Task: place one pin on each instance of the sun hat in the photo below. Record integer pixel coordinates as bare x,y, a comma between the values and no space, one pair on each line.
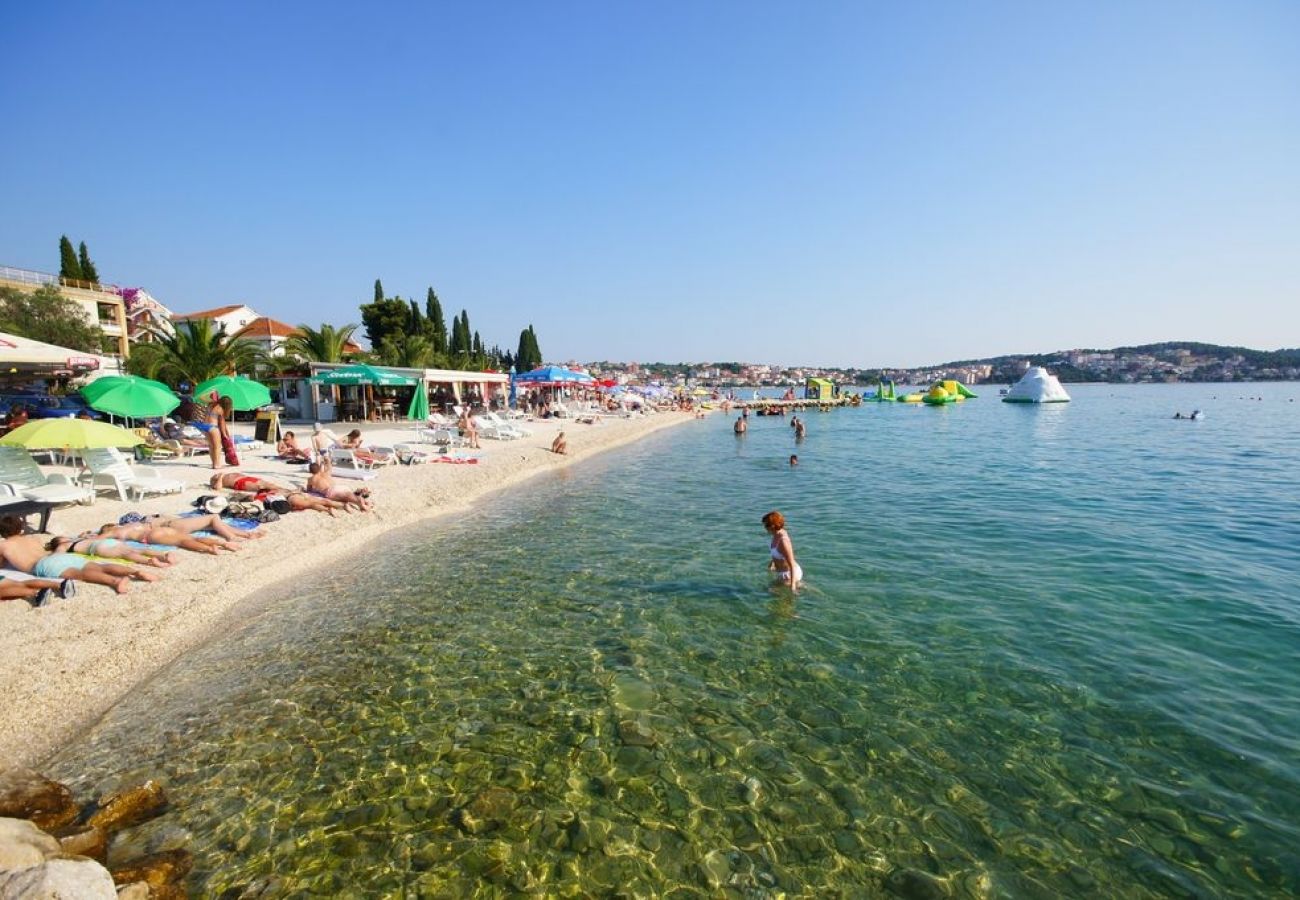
215,504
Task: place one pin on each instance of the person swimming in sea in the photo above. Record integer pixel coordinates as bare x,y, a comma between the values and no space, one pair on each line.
783,563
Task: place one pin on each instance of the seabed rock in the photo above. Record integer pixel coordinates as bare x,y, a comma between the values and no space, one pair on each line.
25,794
68,863
129,807
22,844
83,879
913,884
158,870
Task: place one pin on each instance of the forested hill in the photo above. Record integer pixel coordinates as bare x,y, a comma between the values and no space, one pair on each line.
1180,360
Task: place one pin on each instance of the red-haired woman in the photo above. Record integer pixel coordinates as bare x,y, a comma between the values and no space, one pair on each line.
783,561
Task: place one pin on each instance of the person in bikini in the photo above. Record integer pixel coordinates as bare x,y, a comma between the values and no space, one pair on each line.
27,553
91,544
320,482
212,418
151,532
782,551
354,443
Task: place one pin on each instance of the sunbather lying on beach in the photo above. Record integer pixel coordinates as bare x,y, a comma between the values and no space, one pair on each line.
320,482
372,455
149,533
91,544
248,484
300,501
27,553
191,524
36,591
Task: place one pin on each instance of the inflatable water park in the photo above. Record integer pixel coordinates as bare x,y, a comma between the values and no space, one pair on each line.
941,393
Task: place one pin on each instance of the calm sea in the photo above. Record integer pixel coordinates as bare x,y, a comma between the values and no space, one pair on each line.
1041,652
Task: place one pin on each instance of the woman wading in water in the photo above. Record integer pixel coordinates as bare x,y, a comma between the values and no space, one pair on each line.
782,549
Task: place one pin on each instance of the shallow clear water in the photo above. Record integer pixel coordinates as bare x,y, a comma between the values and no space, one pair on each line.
1042,652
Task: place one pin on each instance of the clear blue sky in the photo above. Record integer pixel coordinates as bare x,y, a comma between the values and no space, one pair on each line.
798,183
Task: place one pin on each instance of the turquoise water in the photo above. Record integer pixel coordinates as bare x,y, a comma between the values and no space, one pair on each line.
1042,652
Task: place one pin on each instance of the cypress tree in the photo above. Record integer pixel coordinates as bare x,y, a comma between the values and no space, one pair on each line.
417,324
532,342
379,291
69,267
88,271
438,324
478,346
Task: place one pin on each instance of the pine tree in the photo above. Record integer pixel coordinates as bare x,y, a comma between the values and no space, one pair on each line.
88,272
69,267
438,324
379,291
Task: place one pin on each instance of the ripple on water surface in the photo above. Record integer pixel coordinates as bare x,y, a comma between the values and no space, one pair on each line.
1041,653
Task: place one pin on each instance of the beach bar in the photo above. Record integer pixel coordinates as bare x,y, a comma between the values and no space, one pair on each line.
305,399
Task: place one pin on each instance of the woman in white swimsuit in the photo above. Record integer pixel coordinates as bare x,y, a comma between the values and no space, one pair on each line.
782,549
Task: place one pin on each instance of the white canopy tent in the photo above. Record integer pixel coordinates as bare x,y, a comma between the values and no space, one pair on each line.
24,356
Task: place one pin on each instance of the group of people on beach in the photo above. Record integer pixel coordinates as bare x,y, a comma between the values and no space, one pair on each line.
113,555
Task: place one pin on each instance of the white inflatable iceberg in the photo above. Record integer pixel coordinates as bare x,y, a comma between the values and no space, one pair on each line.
1037,387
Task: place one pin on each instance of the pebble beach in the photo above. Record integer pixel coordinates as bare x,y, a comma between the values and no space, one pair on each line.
62,666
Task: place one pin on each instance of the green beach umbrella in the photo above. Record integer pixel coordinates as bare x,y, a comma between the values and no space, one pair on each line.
130,395
362,374
419,409
75,434
244,393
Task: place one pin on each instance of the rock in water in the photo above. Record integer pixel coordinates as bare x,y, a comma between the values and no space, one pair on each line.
635,733
25,794
23,844
487,811
129,807
158,870
83,879
913,884
84,840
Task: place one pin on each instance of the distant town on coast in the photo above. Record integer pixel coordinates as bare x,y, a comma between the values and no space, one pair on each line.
1171,361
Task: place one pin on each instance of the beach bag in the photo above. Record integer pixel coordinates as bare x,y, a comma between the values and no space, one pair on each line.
268,515
228,448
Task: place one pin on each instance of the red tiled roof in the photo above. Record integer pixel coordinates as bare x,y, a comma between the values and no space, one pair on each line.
209,313
266,328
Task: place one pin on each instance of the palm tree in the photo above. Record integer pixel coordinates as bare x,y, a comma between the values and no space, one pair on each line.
195,353
325,344
413,351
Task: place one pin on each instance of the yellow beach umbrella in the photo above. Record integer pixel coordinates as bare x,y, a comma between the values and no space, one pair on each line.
73,434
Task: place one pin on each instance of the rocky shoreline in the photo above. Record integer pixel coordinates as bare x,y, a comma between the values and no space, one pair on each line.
52,845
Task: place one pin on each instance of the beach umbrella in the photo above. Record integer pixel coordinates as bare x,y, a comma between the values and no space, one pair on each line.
362,374
554,375
130,395
74,434
419,409
244,393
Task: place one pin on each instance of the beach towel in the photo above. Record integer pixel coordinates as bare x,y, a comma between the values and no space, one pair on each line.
15,575
460,461
241,524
